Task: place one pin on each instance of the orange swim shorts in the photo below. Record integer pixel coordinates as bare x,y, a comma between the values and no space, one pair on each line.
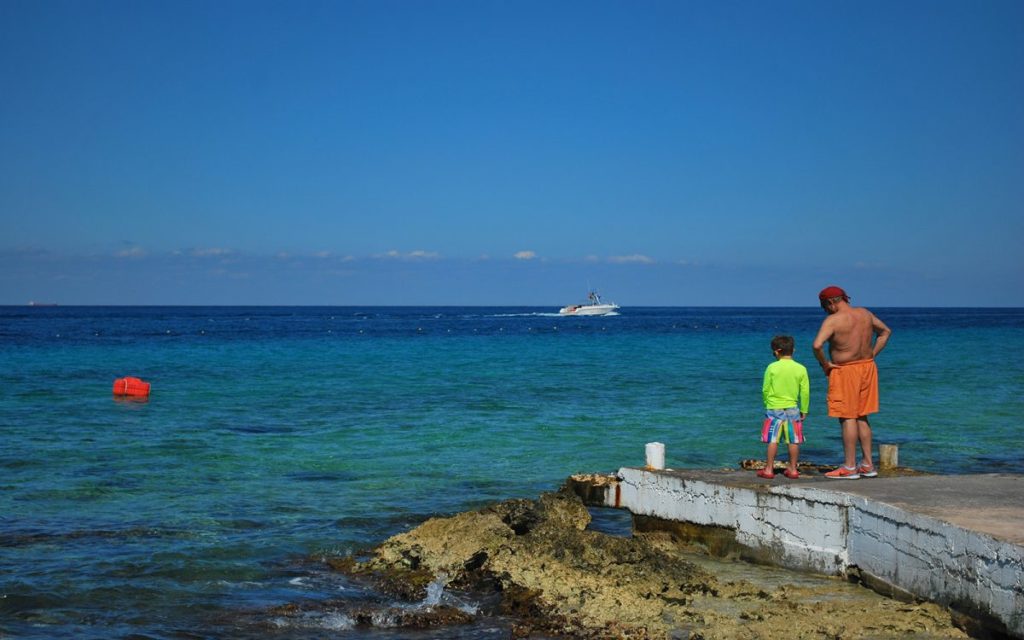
853,389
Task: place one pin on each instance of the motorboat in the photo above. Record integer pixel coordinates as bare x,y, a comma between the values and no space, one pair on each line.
596,307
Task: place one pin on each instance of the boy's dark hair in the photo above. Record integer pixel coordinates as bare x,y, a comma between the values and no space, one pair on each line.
784,345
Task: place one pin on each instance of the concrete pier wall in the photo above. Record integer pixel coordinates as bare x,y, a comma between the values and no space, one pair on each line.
816,527
938,561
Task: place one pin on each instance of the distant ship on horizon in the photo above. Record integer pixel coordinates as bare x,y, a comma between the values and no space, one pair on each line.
33,303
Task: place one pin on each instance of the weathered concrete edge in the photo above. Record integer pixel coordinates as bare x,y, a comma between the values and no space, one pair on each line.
967,570
832,532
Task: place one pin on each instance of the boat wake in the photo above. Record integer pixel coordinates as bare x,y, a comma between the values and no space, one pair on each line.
534,314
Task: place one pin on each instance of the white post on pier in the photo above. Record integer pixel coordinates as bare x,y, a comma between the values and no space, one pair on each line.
655,455
888,456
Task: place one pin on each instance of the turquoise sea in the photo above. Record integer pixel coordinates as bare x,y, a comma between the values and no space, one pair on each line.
277,435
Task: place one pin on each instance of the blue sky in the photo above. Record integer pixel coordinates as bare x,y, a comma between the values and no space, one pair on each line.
483,152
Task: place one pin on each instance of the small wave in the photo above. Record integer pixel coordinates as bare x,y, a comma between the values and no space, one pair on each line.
258,429
436,595
337,622
244,584
21,539
435,590
321,476
331,621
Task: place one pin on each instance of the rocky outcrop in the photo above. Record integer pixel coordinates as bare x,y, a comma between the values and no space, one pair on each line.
558,578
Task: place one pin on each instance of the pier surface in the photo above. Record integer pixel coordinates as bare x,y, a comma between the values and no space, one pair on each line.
990,503
955,540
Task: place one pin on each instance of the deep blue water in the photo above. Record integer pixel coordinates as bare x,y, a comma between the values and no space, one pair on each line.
277,435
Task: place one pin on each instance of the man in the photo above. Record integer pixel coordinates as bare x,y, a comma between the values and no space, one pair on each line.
852,375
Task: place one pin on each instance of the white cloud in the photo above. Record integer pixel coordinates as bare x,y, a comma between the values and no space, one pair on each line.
424,255
132,252
209,252
636,258
419,254
525,255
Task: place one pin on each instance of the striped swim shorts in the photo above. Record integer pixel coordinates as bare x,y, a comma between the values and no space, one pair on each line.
782,425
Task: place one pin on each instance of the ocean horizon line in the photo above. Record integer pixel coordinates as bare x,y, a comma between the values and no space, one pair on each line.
51,305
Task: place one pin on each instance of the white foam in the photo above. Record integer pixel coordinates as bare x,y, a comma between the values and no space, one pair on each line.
333,621
535,314
383,619
337,622
435,590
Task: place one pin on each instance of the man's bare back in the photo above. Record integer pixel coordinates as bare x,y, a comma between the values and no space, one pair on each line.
848,331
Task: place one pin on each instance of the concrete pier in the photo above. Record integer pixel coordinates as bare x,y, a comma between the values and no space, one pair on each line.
954,540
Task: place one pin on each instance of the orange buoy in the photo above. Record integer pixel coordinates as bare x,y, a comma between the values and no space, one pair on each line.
129,386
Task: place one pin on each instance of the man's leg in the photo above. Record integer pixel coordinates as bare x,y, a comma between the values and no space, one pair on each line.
851,434
864,436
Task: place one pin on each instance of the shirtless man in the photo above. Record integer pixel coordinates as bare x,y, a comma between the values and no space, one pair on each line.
852,375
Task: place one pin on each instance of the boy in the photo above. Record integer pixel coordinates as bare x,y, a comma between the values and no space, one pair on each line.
786,392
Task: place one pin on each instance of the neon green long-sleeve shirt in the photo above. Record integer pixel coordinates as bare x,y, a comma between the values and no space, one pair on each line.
786,385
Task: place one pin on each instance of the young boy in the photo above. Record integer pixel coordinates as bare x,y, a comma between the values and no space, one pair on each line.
786,391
